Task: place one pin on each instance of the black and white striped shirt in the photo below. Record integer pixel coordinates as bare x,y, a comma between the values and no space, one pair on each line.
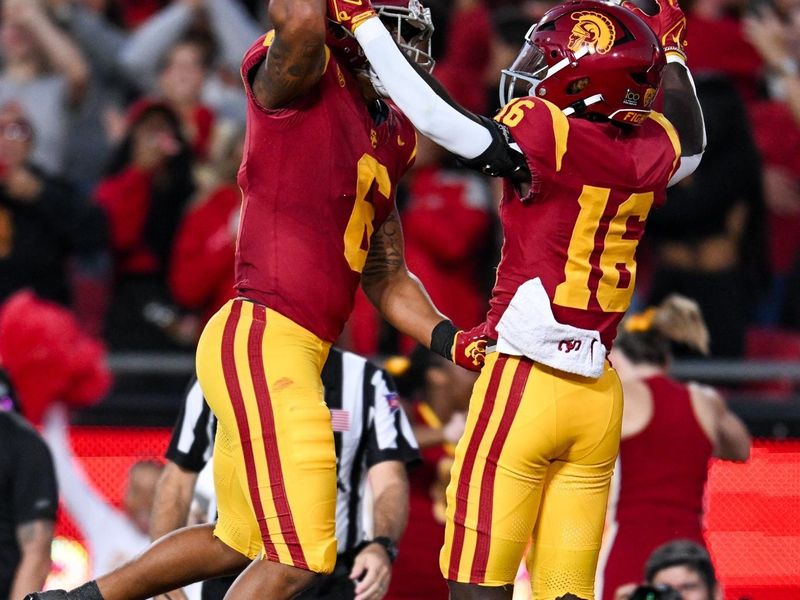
369,426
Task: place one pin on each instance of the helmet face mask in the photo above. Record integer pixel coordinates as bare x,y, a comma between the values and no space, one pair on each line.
412,27
589,58
528,70
408,21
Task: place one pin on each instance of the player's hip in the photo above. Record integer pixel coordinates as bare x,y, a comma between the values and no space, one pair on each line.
545,413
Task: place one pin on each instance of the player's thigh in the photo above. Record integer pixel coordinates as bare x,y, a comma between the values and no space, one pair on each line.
261,376
236,525
569,530
498,473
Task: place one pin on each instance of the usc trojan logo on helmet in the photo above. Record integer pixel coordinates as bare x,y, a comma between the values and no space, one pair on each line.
592,29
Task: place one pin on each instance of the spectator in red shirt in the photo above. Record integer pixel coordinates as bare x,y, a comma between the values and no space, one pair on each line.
148,185
715,36
201,272
467,54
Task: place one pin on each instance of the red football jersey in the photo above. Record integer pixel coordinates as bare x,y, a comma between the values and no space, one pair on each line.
318,177
593,185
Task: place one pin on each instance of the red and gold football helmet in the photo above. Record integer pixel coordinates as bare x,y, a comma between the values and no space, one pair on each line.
408,20
589,57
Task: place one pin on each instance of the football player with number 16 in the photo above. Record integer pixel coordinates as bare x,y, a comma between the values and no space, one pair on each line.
585,158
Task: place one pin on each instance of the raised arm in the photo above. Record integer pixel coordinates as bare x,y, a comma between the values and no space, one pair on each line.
479,141
681,106
61,52
296,58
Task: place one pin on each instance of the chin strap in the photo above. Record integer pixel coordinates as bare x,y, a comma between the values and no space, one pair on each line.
581,105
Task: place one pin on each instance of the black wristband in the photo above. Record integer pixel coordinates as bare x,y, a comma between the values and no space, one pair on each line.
388,545
88,591
442,338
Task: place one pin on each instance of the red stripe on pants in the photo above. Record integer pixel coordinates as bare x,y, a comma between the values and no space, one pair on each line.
462,489
484,529
254,355
237,401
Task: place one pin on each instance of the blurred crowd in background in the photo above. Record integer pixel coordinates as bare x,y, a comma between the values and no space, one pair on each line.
121,128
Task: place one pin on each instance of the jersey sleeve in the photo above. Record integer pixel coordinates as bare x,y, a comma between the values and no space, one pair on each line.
666,154
390,436
35,494
541,131
192,437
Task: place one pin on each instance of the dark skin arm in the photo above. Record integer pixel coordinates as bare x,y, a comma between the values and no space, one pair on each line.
296,58
396,292
682,109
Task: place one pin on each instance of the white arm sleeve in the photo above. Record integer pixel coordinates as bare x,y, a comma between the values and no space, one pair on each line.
429,113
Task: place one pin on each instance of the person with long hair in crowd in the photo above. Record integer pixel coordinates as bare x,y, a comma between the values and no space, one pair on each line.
670,430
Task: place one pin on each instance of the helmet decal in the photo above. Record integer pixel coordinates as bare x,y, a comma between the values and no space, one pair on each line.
593,30
649,96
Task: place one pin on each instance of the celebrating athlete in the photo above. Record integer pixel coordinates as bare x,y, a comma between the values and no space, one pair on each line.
322,158
584,158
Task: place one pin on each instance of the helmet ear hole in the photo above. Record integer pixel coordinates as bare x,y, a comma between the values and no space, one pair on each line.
577,86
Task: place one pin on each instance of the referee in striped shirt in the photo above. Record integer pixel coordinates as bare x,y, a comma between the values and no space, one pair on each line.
374,445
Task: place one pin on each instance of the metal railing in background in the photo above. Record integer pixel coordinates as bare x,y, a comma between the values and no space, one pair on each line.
717,371
766,394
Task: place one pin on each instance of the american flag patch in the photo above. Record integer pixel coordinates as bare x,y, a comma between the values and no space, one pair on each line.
340,419
393,400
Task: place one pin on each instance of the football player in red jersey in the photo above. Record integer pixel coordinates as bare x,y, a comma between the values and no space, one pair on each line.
584,158
322,158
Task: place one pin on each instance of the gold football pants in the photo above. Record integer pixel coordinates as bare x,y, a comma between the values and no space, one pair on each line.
535,461
274,456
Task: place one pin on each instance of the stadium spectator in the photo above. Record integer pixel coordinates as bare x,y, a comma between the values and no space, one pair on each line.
43,71
387,448
681,566
776,122
669,433
51,239
113,536
718,46
709,236
28,501
226,25
96,28
439,392
467,53
791,307
144,195
201,271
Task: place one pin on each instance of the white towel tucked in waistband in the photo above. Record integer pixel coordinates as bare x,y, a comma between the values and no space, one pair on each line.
528,328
